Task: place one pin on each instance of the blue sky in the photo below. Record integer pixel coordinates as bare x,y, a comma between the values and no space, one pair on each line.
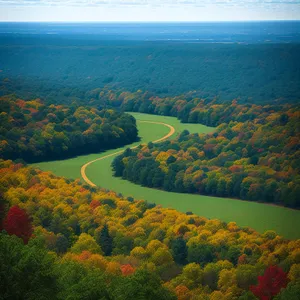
148,10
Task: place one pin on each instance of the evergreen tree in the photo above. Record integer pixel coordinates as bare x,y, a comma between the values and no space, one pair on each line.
179,250
105,240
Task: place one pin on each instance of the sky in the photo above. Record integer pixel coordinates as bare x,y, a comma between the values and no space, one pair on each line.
147,10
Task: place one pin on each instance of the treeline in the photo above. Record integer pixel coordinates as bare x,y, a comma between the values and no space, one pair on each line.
190,109
33,131
66,68
253,155
74,242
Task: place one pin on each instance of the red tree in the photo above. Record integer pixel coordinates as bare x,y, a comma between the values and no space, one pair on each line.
127,270
17,222
270,284
94,204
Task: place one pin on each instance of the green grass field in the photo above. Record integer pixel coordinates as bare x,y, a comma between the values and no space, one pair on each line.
261,217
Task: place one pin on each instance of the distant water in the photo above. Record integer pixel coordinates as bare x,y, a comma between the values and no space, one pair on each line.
206,32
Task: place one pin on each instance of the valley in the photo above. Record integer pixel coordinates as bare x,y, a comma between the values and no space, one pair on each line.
259,216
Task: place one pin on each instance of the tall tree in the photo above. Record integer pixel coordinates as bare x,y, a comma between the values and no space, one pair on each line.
179,250
105,240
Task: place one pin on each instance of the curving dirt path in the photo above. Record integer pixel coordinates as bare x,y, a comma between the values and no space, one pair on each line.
83,168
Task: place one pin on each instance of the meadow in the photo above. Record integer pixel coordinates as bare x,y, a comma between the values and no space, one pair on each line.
259,216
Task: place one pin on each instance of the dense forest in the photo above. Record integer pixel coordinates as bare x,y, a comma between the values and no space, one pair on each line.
33,131
70,241
253,154
61,69
186,106
65,90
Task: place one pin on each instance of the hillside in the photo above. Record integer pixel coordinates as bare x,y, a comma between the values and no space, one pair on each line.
82,242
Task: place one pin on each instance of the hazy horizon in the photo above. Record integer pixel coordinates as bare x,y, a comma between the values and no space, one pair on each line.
156,22
148,11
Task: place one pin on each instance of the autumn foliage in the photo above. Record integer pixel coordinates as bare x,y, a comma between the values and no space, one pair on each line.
34,131
127,270
122,238
18,223
253,155
270,284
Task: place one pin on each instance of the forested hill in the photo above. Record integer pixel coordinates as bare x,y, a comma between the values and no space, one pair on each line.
33,131
253,154
62,240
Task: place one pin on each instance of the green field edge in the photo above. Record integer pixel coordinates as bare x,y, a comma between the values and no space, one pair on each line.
259,216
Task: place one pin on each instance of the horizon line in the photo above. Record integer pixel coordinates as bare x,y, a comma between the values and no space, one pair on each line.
146,22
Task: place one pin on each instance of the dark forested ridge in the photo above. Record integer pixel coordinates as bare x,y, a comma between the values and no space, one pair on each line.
33,131
59,69
70,241
253,154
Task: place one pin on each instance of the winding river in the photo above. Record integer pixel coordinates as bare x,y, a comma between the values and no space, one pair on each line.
95,169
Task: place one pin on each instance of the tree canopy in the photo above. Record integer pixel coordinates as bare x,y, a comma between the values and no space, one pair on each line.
33,131
82,246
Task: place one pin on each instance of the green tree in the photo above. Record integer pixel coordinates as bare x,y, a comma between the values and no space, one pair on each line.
62,243
179,250
76,282
26,272
201,253
233,254
141,285
210,275
105,241
291,292
246,275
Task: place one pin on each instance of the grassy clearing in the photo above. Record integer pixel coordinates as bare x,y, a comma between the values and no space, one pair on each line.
259,216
